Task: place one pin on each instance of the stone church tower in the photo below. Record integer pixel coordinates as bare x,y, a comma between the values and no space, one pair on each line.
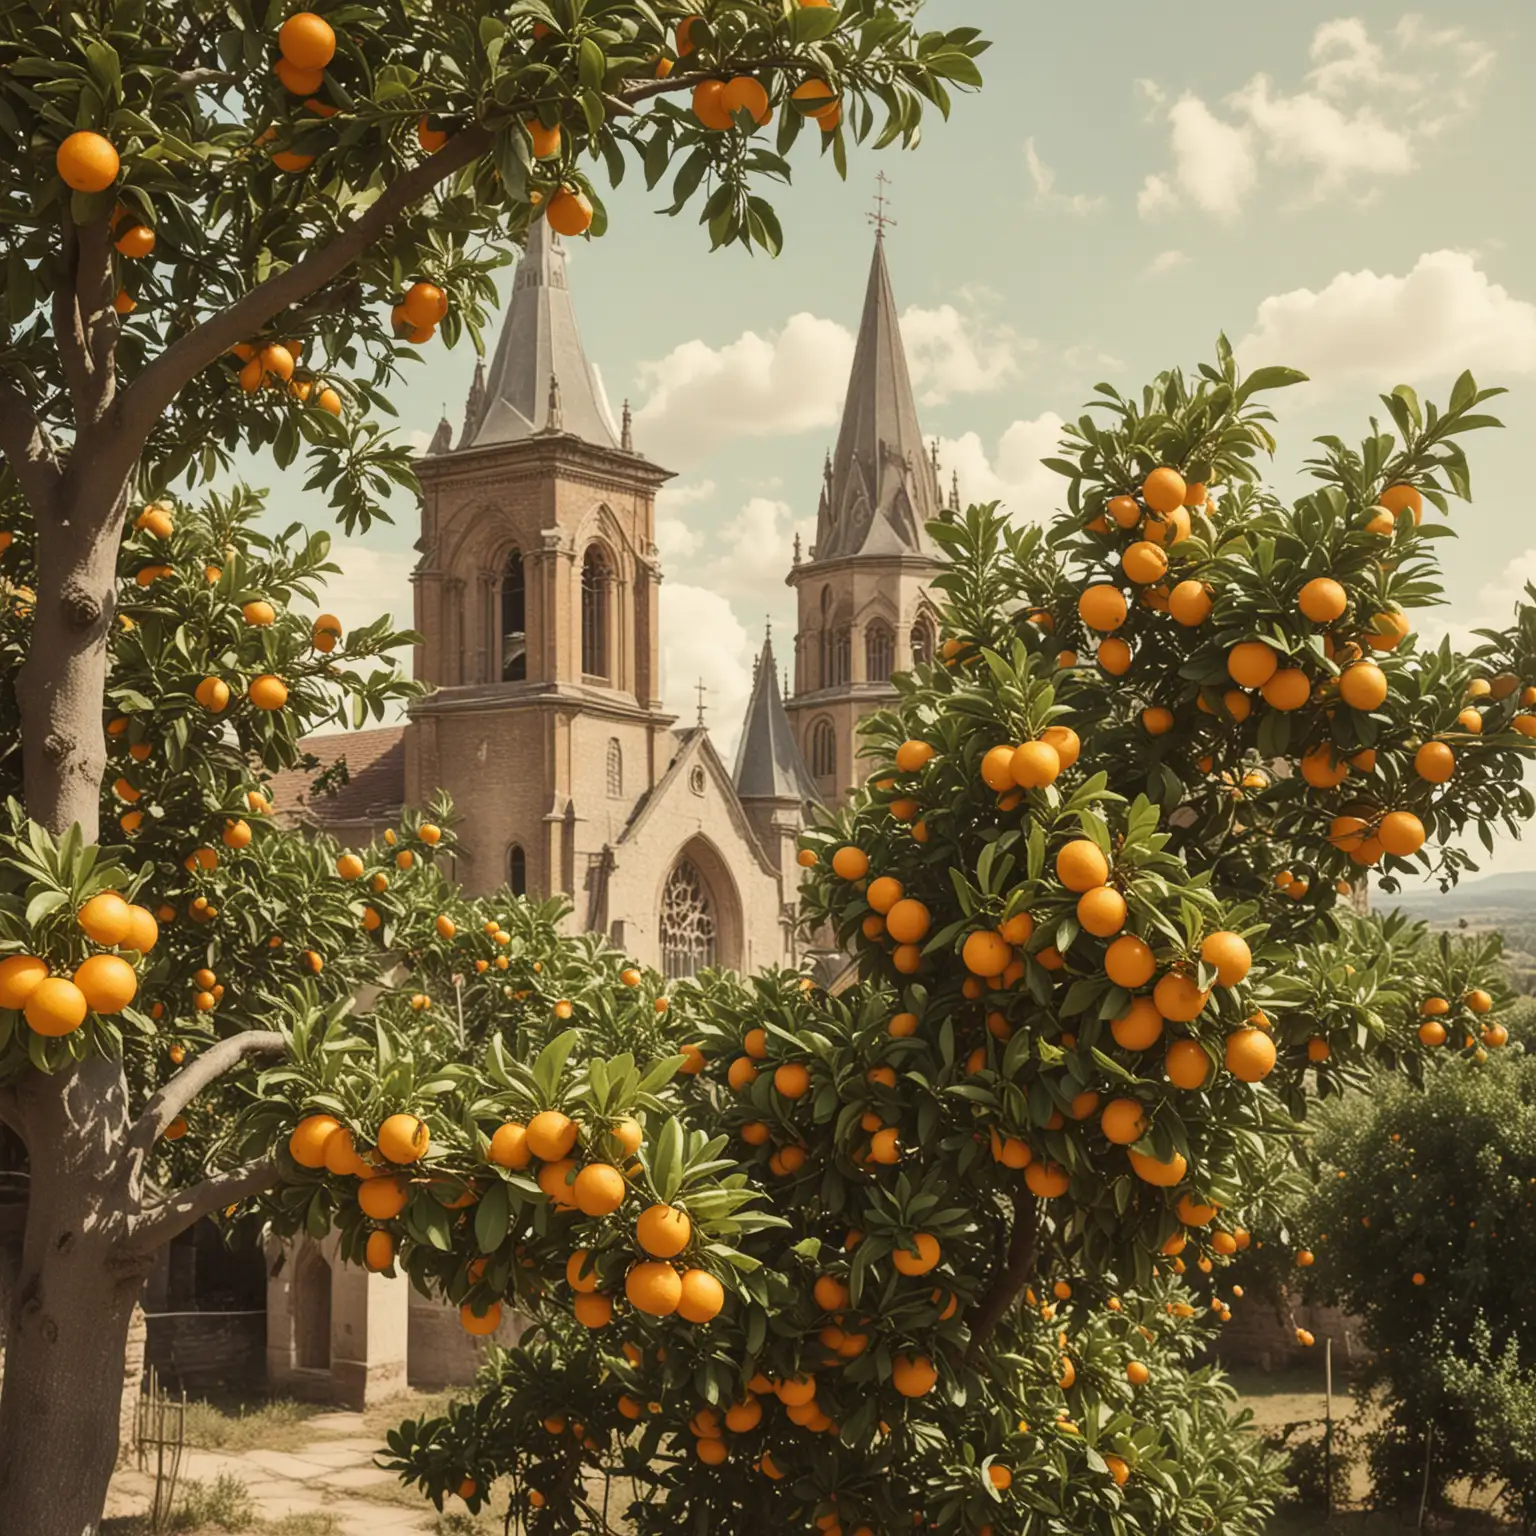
864,607
537,602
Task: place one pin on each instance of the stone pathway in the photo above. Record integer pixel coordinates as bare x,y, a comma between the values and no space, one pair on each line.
328,1476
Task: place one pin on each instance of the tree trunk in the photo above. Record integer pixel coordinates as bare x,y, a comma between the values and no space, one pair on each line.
70,1311
62,682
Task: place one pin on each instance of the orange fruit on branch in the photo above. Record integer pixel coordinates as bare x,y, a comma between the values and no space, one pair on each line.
87,162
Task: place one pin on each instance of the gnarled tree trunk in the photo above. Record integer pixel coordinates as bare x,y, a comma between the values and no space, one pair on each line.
71,1305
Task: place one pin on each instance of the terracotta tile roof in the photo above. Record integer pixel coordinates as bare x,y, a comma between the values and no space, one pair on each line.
375,777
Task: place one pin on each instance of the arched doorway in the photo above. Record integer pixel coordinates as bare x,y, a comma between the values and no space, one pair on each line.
312,1311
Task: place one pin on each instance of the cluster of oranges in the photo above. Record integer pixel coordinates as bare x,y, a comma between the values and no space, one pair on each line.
54,1003
417,314
1440,1017
272,364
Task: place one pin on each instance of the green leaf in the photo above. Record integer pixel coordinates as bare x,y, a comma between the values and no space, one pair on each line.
492,1218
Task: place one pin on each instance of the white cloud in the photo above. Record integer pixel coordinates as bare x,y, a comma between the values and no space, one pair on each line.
953,354
1444,315
1013,474
371,583
1166,261
1214,166
702,640
675,540
754,551
780,383
672,496
1359,116
1046,196
699,396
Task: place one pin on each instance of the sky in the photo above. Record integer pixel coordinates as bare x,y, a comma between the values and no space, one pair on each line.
1344,189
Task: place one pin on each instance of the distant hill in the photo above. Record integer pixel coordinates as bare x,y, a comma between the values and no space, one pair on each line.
1486,902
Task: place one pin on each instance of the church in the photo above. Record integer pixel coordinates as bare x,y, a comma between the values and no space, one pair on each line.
536,599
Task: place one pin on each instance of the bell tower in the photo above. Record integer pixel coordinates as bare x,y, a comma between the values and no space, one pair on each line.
536,601
863,592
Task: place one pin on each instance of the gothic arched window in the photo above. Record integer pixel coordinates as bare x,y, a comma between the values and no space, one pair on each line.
517,870
688,929
824,641
842,656
922,642
594,612
823,750
615,769
514,620
879,652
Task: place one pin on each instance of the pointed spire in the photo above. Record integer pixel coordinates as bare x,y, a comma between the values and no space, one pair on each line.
797,549
701,690
442,439
954,490
883,488
539,365
627,435
768,763
474,406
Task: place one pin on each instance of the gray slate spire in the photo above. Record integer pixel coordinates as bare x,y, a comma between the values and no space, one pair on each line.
768,763
539,359
883,488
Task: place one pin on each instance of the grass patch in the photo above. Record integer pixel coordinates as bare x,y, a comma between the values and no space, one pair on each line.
273,1424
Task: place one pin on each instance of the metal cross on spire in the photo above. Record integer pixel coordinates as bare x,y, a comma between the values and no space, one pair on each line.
880,218
701,690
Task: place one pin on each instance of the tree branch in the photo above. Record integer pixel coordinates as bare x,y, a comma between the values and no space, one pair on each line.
68,326
1017,1268
158,1225
27,448
169,1102
154,389
93,297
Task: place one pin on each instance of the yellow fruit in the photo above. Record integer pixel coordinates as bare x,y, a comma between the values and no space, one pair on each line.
1080,866
850,863
1230,955
105,919
1154,1171
1129,963
480,1324
1252,664
1187,1064
599,1189
1124,1121
919,1258
1140,1027
701,1298
1250,1055
913,1375
663,1231
653,1288
19,974
1322,600
1363,685
383,1198
107,983
1178,998
55,1007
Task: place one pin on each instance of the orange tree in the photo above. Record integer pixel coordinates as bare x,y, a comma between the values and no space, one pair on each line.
1099,885
224,227
1418,1216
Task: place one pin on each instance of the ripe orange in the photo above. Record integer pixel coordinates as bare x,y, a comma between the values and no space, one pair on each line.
1250,1055
1102,911
1064,740
1318,1049
702,1296
908,921
1034,765
997,768
913,755
1388,630
744,94
107,983
1321,771
237,833
1046,1181
1363,685
87,162
1322,600
551,1135
792,1080
55,1007
913,1375
1137,1374
105,919
883,893
480,1324
1397,497
1102,607
1124,1121
1164,490
569,213
379,1251
1187,1064
19,974
1144,563
1435,762
923,1254
1432,1032
709,105
1156,720
1190,603
307,40
383,1198
1193,1213
1129,962
663,1231
1478,1000
850,863
1080,865
1288,689
986,953
404,1139
599,1189
1114,655
1252,663
1154,1171
1229,953
268,692
742,1073
653,1288
1140,1027
1401,833
136,242
308,1140
1118,1470
1178,998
